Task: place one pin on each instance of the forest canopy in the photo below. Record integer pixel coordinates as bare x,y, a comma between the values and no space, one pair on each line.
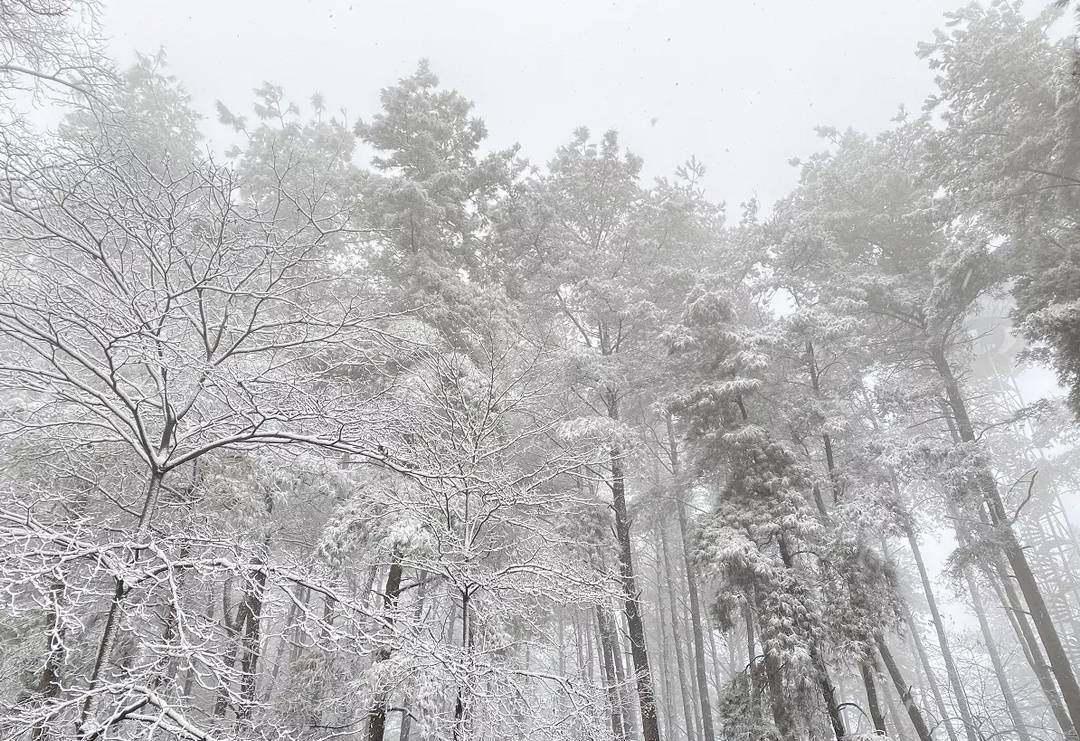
361,428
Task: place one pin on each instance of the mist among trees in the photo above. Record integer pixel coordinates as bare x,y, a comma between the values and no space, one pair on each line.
360,428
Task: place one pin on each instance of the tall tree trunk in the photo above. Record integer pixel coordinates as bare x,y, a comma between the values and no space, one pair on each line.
751,653
1014,552
233,625
782,713
461,705
834,479
963,536
666,683
677,654
377,713
631,712
872,701
643,676
943,638
718,674
251,640
48,684
1032,652
928,669
691,589
590,659
825,683
608,652
995,658
112,618
904,690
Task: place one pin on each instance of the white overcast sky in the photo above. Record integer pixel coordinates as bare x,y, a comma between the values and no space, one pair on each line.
741,85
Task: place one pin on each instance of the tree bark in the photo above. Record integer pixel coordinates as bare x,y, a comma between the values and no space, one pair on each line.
112,624
391,592
608,652
677,654
943,639
1033,653
691,590
48,684
666,684
782,712
928,669
904,690
1014,552
872,701
751,653
825,683
643,676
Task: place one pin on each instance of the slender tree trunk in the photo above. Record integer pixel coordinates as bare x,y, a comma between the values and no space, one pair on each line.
691,590
233,625
635,625
665,666
1033,653
112,618
591,661
611,679
995,658
943,639
684,685
924,658
252,639
964,538
782,712
461,719
623,661
876,714
579,643
377,713
1014,552
928,669
718,675
825,683
751,653
904,690
48,684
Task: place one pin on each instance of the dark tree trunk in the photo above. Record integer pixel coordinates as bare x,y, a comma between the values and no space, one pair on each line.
943,639
1033,652
825,683
904,690
751,653
872,701
782,712
1014,552
112,618
635,625
677,654
377,714
461,708
252,640
48,684
608,653
691,590
931,678
666,683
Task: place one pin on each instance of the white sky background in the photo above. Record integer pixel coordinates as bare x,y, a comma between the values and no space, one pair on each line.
739,84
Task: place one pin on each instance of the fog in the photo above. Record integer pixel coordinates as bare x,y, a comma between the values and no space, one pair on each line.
559,371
